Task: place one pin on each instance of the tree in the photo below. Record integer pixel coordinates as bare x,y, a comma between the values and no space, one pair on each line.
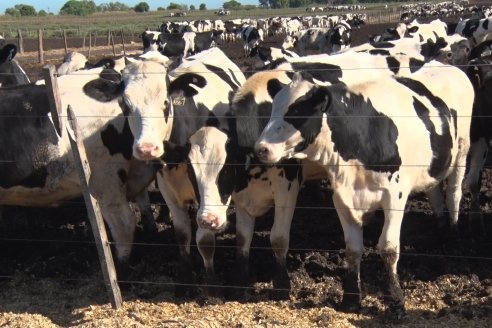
232,4
78,8
42,13
12,12
21,10
142,7
113,6
192,7
174,6
203,6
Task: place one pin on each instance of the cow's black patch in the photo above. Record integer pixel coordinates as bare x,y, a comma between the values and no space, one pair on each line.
400,195
320,71
383,45
470,27
264,53
485,24
454,115
122,175
250,119
274,86
393,64
118,142
226,180
26,136
415,64
182,84
441,144
224,76
358,130
379,52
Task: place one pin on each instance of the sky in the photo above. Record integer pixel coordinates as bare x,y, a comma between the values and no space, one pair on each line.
55,5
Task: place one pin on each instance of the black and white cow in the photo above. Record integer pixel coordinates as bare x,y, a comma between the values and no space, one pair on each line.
251,37
178,44
37,163
331,125
312,39
476,30
254,187
269,54
11,73
479,70
200,92
339,37
224,165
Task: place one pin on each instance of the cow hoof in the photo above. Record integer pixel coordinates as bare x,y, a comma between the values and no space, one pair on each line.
350,304
279,295
396,311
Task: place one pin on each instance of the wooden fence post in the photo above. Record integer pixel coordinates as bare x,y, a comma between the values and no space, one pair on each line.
51,81
65,41
94,212
20,41
123,43
40,46
112,43
90,45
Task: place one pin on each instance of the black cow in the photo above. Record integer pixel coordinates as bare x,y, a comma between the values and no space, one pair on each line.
10,71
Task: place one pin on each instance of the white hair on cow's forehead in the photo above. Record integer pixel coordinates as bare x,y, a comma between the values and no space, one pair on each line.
156,56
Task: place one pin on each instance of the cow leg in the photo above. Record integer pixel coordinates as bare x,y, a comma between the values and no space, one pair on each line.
245,225
146,215
436,201
285,200
182,231
478,154
389,248
205,240
352,230
121,222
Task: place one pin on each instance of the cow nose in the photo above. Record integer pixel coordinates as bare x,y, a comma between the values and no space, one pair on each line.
262,151
147,150
209,221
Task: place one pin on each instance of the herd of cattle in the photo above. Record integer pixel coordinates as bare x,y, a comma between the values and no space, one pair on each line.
212,137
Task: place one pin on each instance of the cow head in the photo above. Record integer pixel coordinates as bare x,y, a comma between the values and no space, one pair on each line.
151,40
142,89
212,171
10,71
296,120
290,42
73,61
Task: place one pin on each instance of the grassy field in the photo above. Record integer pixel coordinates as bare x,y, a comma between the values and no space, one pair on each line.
132,23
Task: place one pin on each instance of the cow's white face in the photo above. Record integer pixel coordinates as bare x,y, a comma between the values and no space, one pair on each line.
149,111
214,182
294,124
289,42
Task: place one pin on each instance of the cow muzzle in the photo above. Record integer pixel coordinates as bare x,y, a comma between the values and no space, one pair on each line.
210,221
148,151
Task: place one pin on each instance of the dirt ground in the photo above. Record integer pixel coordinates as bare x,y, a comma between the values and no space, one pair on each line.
50,274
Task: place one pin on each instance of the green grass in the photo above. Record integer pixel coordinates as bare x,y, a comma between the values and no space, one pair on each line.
132,23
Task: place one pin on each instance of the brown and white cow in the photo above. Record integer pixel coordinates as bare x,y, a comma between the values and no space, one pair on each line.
367,145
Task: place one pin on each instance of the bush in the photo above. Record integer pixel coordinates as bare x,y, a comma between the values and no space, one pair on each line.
142,7
78,8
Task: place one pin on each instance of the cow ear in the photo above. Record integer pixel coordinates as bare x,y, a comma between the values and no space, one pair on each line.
187,84
8,52
413,29
103,90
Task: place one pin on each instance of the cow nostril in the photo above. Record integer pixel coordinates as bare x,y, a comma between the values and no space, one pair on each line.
262,151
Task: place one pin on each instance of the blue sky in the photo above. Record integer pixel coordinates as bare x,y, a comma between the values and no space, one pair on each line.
55,5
